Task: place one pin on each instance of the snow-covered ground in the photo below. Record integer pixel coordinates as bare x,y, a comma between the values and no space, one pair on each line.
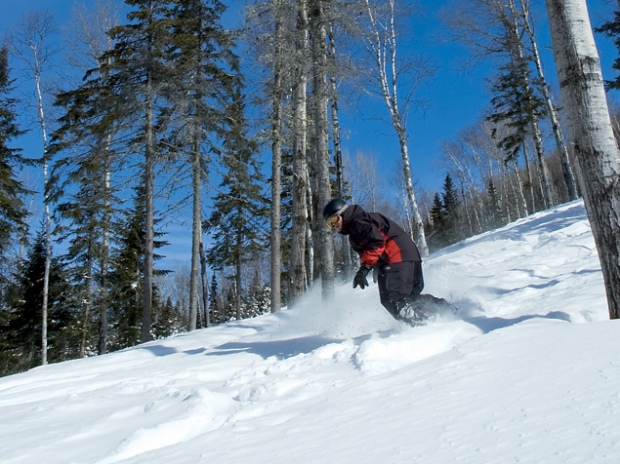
528,371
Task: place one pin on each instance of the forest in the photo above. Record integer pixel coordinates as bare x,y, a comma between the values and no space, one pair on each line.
165,112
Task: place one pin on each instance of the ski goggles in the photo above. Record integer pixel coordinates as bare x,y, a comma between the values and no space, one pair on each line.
332,221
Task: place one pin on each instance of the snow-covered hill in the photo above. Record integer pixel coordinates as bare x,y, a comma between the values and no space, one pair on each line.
527,372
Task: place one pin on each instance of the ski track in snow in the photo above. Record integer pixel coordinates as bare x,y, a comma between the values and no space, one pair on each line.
246,375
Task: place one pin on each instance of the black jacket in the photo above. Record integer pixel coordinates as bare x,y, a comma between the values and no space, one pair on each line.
377,239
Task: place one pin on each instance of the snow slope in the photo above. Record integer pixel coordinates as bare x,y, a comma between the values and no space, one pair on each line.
528,371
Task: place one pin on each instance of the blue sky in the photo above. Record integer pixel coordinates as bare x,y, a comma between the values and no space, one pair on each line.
456,98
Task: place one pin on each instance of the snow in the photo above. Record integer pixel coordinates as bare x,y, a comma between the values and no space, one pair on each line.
527,371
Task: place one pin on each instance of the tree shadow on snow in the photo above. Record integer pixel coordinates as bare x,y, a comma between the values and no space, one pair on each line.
284,349
489,324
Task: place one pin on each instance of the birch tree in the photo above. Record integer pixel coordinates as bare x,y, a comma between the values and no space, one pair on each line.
276,159
496,30
32,43
333,99
567,171
300,157
320,155
591,135
382,44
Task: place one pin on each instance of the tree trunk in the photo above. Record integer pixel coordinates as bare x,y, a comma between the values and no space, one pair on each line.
519,190
309,232
569,178
196,232
384,53
300,161
321,153
346,257
149,155
48,246
591,134
205,284
238,278
517,54
276,169
105,252
543,172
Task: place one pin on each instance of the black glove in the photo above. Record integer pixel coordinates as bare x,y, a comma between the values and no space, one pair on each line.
360,277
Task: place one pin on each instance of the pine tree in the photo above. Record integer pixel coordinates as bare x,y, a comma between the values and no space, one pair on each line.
493,206
126,276
214,303
515,105
612,29
87,158
126,281
12,209
167,318
239,209
450,206
137,72
204,70
436,232
22,344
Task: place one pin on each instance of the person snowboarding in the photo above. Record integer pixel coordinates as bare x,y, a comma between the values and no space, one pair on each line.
384,246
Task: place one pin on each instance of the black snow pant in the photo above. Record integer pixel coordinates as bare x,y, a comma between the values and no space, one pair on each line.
399,284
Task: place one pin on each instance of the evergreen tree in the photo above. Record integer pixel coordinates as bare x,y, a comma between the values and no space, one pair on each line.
137,72
204,70
214,301
612,29
126,281
515,104
493,206
438,221
167,318
126,276
12,209
450,205
87,158
21,343
239,209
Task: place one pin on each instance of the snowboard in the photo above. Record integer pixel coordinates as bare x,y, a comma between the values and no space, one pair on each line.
425,308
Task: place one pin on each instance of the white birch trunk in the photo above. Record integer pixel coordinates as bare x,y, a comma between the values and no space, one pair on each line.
537,133
39,28
309,232
591,135
276,167
320,151
384,54
346,257
569,177
298,282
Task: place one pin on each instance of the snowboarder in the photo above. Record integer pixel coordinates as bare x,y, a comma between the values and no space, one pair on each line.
385,246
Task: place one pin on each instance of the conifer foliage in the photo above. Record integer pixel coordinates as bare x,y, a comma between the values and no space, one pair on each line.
237,223
445,228
12,209
20,339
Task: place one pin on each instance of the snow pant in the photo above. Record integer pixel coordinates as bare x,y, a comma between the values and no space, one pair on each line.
399,284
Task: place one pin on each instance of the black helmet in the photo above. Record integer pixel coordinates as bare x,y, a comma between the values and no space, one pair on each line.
335,206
